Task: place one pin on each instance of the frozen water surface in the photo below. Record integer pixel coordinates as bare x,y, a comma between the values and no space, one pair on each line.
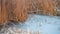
43,24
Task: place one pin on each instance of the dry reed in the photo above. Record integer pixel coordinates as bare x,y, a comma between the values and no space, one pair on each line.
17,10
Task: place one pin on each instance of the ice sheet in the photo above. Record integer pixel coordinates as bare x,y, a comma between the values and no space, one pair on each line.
40,23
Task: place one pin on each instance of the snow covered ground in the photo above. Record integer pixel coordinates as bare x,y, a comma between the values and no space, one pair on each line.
41,24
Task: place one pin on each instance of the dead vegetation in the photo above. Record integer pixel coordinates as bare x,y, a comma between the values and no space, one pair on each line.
17,10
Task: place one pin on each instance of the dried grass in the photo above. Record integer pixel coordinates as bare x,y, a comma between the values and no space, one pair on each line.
17,10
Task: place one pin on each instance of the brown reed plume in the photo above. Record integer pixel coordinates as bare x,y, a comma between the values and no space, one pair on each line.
47,6
16,10
12,10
